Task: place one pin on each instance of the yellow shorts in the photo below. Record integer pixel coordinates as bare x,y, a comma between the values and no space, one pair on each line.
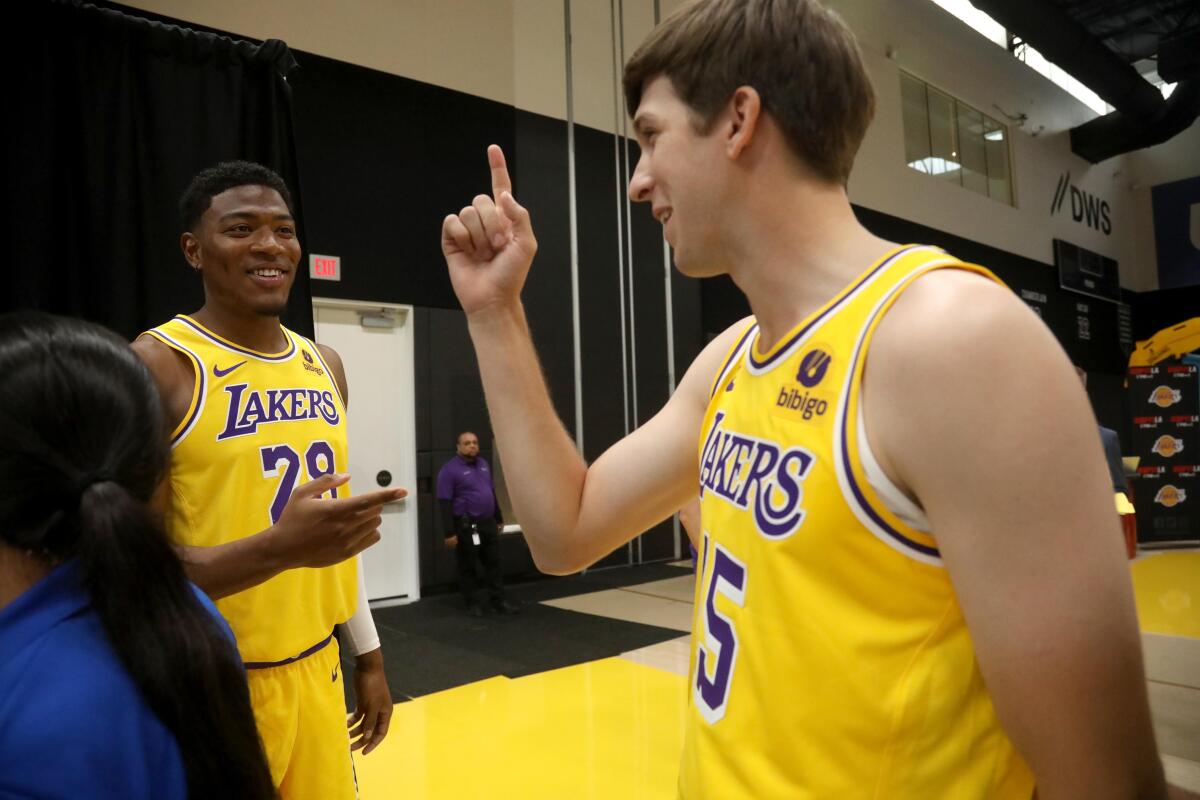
301,713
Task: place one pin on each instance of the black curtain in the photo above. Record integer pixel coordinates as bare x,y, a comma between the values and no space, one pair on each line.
112,116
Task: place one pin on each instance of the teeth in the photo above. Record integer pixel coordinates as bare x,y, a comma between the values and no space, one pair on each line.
268,273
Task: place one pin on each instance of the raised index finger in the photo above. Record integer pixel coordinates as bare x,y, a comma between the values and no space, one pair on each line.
378,497
500,181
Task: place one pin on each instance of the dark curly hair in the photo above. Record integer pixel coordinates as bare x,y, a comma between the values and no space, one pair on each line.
224,176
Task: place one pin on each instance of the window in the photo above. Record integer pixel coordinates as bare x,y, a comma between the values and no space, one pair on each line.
948,139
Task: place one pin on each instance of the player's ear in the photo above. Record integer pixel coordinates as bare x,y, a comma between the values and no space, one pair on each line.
744,112
189,243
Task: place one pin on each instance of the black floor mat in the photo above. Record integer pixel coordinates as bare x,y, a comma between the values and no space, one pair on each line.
432,644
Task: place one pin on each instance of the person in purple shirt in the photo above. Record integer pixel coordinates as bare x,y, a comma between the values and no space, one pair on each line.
471,522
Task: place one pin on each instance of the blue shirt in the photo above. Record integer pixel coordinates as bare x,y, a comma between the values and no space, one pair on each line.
469,486
73,723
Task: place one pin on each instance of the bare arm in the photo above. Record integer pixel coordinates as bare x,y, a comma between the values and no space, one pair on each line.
990,430
311,532
567,510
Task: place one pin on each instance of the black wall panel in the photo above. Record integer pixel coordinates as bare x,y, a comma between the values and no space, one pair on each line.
383,160
540,184
1153,311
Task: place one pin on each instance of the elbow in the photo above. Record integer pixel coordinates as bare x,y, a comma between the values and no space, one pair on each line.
556,564
555,558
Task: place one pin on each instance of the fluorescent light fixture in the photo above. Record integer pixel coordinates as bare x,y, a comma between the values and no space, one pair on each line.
977,19
933,165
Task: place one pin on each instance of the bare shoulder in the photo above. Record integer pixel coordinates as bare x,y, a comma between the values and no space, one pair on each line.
167,366
173,374
957,319
959,363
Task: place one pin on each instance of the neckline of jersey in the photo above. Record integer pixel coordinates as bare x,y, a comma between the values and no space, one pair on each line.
282,354
785,341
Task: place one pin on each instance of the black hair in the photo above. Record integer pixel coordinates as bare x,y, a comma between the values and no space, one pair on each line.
211,182
83,448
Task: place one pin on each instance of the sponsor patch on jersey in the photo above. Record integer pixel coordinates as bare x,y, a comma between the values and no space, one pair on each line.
756,475
813,367
1165,396
1167,446
1170,496
308,363
794,403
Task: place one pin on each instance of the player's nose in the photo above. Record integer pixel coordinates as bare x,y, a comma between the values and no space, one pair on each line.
640,184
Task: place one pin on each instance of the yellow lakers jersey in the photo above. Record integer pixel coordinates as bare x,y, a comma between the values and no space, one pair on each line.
829,658
259,425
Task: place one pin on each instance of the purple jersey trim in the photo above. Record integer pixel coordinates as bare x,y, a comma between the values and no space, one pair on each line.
268,664
784,351
733,356
844,446
291,351
186,427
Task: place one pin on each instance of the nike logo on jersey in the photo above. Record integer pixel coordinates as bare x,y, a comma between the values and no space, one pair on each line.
750,472
221,373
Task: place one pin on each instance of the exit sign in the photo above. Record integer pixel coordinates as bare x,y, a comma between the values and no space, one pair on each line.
324,268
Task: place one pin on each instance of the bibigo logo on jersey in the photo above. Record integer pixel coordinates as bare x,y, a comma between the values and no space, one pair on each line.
1165,396
1167,446
1170,496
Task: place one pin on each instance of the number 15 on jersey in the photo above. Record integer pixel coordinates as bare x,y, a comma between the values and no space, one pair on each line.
717,648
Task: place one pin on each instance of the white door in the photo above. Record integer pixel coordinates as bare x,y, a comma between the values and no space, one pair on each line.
375,341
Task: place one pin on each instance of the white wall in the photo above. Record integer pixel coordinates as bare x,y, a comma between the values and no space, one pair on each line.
465,45
934,46
513,51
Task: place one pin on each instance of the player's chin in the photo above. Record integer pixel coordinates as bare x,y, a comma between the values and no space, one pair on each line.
692,267
271,306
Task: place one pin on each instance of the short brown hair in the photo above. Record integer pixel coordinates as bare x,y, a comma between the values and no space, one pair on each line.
800,57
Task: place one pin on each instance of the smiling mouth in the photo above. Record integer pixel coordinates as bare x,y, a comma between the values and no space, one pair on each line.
268,272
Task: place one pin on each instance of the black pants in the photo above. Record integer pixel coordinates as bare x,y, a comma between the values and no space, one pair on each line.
470,556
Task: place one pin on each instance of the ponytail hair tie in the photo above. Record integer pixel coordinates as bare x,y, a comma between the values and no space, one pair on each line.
75,494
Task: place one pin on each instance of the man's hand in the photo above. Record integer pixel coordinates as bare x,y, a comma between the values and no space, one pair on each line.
489,244
369,723
451,542
316,532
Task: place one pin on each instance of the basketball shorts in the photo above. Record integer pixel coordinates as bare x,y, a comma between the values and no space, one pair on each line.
300,708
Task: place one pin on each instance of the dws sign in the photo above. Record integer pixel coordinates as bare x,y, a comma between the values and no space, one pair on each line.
1086,208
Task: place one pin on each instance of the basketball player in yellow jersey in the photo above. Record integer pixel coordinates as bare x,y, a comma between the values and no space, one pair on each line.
910,583
258,495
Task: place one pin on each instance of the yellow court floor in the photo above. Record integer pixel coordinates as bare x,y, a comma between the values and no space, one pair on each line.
595,731
1167,589
613,728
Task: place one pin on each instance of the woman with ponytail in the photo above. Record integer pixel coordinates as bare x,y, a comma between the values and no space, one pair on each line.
117,677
